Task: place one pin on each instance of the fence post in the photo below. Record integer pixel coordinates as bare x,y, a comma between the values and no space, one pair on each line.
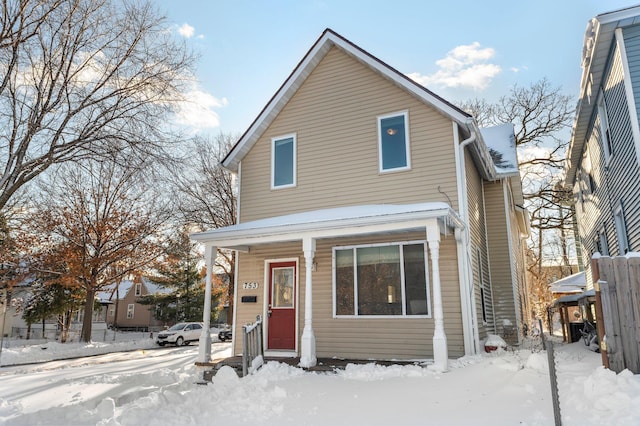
555,398
625,312
245,348
634,279
600,326
610,313
260,343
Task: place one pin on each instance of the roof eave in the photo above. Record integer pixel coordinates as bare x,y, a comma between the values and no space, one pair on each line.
597,42
325,229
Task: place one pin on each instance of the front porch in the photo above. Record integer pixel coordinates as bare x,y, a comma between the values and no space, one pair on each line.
301,242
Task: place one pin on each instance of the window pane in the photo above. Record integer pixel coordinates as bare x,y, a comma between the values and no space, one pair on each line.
283,287
393,142
344,282
283,162
415,280
379,291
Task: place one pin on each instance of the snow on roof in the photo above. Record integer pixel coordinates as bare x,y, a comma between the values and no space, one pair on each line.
501,142
108,293
331,219
575,283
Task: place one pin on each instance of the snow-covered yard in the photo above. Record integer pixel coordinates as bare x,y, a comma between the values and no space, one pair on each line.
158,387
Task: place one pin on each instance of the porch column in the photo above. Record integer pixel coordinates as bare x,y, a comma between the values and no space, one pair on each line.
308,351
440,352
204,349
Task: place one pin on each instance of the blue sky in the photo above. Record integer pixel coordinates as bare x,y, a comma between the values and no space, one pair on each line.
458,49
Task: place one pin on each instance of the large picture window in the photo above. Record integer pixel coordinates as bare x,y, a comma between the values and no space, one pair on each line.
393,140
381,280
283,161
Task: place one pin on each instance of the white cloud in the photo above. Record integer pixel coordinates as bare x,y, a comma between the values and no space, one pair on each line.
464,66
186,31
198,109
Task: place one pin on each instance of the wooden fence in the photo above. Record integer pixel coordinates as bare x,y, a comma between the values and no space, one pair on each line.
618,280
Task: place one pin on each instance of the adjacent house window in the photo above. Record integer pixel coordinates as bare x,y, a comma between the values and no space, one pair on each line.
138,289
112,312
602,244
621,229
381,280
283,161
393,141
130,308
604,128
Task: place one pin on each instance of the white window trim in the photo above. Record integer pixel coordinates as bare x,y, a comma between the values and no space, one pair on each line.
404,113
131,310
602,240
273,160
138,289
605,129
402,283
621,230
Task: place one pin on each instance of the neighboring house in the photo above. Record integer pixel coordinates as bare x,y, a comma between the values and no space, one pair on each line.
376,220
120,303
603,161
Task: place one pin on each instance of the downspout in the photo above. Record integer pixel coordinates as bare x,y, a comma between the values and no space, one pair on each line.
467,294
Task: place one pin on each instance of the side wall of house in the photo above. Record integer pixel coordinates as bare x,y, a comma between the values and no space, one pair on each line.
478,249
379,338
602,186
334,116
141,313
500,257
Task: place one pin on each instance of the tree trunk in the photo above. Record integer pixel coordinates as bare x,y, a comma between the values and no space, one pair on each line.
88,315
28,331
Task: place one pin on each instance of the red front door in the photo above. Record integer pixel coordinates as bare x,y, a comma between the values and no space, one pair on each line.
282,306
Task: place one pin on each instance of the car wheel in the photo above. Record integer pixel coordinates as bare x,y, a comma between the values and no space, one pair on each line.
161,343
179,341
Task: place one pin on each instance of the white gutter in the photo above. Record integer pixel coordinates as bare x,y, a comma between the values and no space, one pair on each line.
467,293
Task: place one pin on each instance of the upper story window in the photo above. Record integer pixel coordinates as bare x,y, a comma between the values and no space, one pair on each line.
393,141
621,229
138,291
283,161
604,128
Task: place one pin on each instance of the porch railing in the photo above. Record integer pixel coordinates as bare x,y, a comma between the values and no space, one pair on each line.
252,348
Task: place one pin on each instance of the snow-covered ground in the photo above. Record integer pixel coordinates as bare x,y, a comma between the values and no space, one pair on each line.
157,387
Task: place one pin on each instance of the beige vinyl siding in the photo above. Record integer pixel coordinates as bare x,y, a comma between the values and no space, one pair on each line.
334,116
363,338
499,255
475,201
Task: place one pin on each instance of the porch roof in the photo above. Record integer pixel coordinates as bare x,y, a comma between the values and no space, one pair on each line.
333,222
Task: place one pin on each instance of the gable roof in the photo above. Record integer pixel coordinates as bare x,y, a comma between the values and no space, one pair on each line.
327,40
598,38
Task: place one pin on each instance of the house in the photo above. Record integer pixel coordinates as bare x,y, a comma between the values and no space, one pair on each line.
603,160
121,308
376,220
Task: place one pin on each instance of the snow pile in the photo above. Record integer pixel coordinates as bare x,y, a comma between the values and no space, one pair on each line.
49,351
504,387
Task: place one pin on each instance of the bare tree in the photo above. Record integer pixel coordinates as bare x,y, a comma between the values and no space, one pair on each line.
541,115
82,79
206,195
99,223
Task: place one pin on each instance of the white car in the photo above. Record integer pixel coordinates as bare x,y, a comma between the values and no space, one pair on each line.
180,334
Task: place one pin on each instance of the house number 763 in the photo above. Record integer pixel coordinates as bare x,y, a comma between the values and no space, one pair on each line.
249,286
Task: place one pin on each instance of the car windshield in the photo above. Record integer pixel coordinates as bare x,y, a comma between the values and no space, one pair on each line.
178,326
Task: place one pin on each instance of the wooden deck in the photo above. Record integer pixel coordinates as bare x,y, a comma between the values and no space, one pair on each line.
325,365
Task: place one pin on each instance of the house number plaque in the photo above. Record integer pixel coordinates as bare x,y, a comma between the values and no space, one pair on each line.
250,286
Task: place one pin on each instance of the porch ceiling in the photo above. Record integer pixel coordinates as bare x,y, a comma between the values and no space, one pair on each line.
331,223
